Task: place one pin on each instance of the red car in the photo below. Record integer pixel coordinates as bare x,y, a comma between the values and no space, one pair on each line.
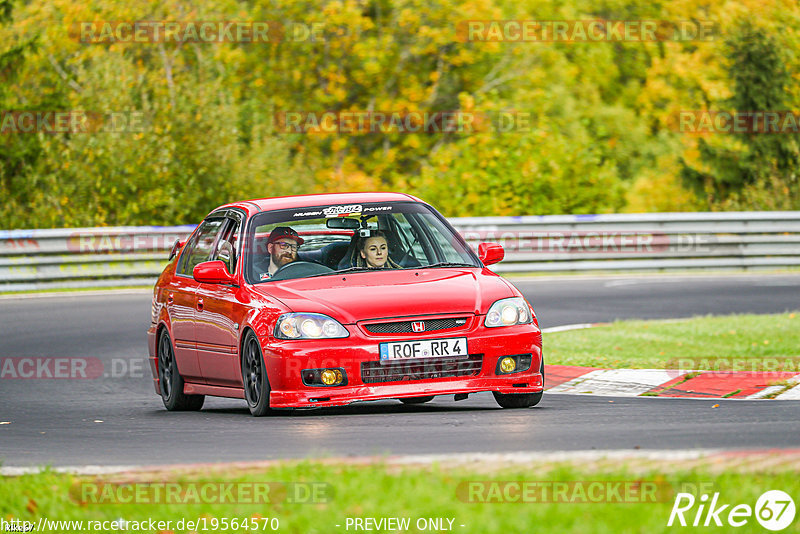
324,300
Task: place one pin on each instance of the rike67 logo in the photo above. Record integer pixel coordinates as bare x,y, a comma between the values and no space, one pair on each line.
774,510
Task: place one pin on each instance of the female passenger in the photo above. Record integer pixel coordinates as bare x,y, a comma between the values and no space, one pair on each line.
373,252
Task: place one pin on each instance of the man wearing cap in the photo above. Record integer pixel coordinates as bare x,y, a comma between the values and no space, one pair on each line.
282,246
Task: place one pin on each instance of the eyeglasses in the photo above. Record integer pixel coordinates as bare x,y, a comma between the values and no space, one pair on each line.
286,246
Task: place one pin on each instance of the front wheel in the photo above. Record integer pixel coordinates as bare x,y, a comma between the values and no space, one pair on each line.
520,400
254,376
171,382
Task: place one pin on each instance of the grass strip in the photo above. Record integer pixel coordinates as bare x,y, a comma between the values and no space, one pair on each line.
756,343
563,497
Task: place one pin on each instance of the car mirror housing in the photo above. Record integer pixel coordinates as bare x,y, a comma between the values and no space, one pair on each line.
342,223
212,272
490,253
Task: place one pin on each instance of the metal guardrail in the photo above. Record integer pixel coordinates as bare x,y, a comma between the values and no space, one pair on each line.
85,257
641,242
132,256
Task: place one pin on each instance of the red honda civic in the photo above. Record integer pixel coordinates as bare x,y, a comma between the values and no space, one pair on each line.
324,300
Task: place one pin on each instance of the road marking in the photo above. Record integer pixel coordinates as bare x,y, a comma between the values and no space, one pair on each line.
566,327
617,283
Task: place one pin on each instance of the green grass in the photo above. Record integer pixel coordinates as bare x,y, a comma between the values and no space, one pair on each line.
389,491
726,343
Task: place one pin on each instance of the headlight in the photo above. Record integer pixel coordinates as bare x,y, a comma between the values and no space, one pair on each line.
508,312
308,326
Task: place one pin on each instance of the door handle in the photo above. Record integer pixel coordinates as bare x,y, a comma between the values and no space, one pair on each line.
199,304
170,298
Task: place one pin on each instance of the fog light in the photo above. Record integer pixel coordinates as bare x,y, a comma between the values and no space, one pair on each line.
507,365
328,377
324,377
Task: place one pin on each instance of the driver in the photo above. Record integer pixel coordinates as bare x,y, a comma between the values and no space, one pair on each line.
282,245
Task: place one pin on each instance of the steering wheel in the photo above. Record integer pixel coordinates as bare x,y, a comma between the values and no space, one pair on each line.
299,269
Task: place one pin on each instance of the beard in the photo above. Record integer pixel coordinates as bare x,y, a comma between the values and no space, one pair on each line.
282,258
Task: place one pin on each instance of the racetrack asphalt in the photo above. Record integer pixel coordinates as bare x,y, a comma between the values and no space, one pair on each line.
119,420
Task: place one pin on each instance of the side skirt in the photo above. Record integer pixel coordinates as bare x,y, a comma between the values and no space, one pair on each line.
214,391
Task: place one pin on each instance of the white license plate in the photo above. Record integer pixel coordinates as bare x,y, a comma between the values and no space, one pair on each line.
423,348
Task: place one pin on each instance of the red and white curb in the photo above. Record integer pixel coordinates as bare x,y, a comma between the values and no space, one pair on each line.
671,383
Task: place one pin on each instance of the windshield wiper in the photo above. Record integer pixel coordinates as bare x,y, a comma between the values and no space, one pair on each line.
348,270
447,264
353,269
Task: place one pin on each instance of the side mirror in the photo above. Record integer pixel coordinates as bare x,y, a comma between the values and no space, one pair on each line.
212,272
490,253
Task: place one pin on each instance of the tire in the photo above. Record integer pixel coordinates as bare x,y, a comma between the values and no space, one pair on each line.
520,400
416,400
254,376
170,380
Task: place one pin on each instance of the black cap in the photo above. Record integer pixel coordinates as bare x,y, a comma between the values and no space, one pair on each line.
280,232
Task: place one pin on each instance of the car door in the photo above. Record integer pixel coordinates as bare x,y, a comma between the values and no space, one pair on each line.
182,297
217,314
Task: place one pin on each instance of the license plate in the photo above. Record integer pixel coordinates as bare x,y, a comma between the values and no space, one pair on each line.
423,348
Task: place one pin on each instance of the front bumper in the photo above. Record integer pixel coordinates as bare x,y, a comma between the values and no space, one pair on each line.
347,394
285,361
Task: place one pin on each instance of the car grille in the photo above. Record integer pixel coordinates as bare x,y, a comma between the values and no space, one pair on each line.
374,372
404,327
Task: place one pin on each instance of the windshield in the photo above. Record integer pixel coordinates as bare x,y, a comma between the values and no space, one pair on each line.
370,237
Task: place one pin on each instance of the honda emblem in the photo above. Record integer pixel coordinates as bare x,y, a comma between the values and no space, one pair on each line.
418,326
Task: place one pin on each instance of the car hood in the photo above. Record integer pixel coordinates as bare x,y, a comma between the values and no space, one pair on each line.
353,297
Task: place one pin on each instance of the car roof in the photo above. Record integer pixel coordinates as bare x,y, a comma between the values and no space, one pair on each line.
302,201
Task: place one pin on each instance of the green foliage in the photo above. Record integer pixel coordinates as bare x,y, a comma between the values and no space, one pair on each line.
601,136
753,170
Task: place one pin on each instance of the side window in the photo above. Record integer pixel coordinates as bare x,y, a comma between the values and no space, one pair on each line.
201,247
226,247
